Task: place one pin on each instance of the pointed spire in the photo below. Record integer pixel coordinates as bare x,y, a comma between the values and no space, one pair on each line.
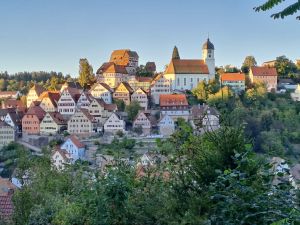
175,54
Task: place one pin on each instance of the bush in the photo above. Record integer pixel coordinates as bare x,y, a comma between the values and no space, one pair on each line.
120,133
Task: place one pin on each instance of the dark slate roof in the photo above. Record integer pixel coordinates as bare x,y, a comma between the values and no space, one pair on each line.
208,45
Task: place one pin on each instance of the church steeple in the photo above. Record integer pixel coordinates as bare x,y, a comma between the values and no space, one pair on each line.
175,54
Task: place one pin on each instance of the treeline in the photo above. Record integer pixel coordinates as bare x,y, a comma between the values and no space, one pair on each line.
22,81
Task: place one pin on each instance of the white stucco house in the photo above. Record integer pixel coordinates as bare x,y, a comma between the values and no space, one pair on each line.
74,148
114,124
102,90
166,125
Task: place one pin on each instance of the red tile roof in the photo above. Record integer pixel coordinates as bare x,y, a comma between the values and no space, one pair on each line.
6,206
106,86
38,89
108,107
62,152
52,95
111,67
173,100
13,103
233,77
36,110
127,86
263,71
87,114
187,66
57,118
144,79
76,141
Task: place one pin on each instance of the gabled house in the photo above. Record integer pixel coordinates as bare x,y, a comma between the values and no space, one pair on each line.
141,97
60,158
34,93
152,159
126,58
48,100
71,84
205,117
114,124
68,100
112,74
159,85
267,75
137,82
53,123
7,134
82,122
84,100
14,119
175,105
235,81
123,92
9,94
102,90
144,120
100,110
32,119
166,125
13,103
74,148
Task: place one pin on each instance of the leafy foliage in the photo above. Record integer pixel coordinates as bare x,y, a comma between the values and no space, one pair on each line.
287,11
86,75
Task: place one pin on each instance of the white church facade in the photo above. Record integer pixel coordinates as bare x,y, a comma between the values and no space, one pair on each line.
185,74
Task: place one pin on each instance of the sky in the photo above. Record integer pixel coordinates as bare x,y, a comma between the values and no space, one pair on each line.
44,35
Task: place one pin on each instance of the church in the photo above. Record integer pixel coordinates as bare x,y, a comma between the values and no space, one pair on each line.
185,74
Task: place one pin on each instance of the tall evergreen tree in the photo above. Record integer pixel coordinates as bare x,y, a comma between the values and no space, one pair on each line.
86,75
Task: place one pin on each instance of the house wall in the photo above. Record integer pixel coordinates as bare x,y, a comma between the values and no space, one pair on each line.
47,105
141,98
236,86
75,152
31,96
114,124
30,124
7,135
79,124
101,92
48,126
161,86
66,105
187,81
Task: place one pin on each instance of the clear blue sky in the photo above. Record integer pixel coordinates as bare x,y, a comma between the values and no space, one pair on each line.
52,35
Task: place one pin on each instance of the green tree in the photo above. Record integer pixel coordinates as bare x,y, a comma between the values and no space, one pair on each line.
248,62
288,10
120,104
86,75
284,66
53,83
132,110
201,91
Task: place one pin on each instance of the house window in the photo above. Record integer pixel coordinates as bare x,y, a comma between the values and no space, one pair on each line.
178,82
184,81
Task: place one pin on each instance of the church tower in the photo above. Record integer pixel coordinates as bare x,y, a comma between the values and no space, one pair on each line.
208,56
